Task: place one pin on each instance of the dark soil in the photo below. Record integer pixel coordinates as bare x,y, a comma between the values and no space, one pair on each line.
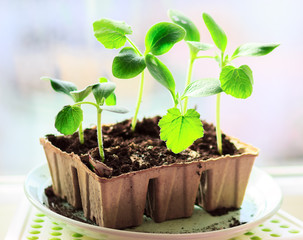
127,151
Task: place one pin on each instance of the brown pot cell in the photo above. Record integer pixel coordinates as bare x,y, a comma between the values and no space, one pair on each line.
172,192
63,170
224,180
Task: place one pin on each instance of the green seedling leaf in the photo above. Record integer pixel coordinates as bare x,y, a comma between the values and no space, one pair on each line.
161,73
198,46
111,99
80,95
69,119
254,49
61,86
161,37
216,32
237,82
203,88
111,33
192,32
102,91
180,131
128,64
115,109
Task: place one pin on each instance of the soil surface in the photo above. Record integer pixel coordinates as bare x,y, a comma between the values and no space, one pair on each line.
127,151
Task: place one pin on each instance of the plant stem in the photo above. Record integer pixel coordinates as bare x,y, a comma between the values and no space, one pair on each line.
99,134
188,79
90,103
134,121
81,135
218,128
133,45
140,92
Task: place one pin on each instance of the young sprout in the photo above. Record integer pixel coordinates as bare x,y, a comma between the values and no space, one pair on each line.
70,117
235,81
130,62
70,89
192,38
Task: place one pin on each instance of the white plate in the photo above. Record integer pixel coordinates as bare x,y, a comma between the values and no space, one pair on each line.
262,200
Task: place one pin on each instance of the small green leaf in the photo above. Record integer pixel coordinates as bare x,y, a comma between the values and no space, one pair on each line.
102,91
61,86
203,88
161,73
115,109
80,95
216,32
111,33
192,32
128,64
198,46
111,99
254,49
69,119
237,82
161,37
180,131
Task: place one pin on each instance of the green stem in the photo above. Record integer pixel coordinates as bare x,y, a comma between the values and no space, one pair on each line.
81,135
90,103
140,92
134,121
218,128
99,134
134,46
188,79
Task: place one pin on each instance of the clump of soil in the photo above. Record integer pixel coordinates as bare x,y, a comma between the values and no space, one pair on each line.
127,151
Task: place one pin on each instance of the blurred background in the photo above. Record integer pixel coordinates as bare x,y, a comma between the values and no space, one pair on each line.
55,38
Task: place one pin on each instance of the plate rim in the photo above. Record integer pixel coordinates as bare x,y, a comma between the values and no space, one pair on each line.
103,230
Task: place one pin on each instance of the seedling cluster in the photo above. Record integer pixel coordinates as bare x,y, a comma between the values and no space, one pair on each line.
70,118
181,126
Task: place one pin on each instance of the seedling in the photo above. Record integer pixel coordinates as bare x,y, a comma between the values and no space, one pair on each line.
69,119
130,62
235,81
70,90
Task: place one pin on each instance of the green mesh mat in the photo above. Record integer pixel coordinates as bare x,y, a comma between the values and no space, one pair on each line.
281,226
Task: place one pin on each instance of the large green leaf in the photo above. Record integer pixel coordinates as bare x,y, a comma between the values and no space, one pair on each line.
80,95
128,64
180,131
237,82
192,32
111,100
69,119
102,91
61,86
161,73
254,49
115,109
161,37
203,88
216,32
111,33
